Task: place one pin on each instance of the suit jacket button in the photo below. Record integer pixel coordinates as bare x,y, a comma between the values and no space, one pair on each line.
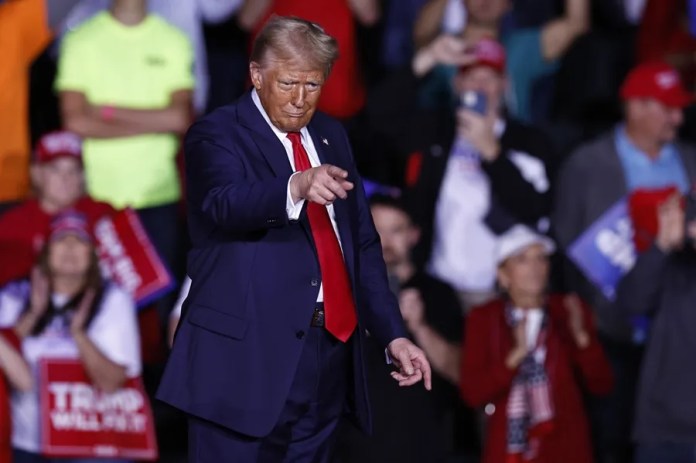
315,282
300,334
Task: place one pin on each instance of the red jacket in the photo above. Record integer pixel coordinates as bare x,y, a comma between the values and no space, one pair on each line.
486,379
23,230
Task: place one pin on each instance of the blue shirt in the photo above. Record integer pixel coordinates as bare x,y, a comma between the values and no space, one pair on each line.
641,171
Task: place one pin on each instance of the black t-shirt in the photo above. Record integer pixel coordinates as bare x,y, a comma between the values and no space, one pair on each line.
410,423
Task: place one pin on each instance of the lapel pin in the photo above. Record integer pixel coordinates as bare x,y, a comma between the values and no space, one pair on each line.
325,141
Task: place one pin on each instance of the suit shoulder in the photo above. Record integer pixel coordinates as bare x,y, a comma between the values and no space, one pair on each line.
214,124
323,121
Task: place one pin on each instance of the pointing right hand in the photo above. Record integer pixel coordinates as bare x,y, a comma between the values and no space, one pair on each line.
321,185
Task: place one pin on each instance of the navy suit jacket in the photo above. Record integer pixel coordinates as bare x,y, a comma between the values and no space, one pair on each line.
256,277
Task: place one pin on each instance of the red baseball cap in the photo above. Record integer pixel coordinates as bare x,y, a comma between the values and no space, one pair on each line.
58,144
656,80
487,52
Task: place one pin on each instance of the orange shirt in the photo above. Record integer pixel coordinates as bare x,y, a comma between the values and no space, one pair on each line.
24,33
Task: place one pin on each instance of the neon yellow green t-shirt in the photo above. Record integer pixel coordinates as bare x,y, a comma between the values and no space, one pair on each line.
137,67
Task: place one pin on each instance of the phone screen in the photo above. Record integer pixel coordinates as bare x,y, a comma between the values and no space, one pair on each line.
474,101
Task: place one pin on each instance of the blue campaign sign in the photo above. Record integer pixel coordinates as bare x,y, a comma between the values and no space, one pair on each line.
605,251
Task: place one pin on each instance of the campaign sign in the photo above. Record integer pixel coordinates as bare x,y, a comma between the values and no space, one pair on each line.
605,251
80,421
128,257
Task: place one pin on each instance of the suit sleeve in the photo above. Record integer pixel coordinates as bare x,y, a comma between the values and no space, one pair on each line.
381,309
221,191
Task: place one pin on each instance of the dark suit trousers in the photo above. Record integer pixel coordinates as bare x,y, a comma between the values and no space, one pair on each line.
305,429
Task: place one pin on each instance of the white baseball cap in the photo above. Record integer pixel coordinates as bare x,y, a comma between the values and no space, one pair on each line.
517,239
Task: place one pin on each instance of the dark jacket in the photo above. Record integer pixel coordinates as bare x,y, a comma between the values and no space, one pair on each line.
664,287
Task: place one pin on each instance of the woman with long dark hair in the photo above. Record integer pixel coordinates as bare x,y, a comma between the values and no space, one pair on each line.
68,311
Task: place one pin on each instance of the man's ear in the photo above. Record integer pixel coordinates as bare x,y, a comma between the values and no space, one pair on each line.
255,75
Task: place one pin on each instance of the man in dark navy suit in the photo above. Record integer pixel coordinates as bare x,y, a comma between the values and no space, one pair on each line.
287,271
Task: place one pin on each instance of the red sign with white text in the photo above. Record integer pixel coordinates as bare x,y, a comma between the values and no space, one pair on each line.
80,421
127,257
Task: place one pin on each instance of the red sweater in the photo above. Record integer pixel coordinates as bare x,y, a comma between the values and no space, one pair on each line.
486,379
5,414
23,230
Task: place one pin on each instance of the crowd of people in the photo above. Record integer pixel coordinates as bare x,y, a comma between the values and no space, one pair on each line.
530,171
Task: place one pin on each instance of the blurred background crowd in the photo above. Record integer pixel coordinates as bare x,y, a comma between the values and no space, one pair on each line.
492,136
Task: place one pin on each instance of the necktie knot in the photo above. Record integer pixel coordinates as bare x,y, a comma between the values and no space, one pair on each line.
295,137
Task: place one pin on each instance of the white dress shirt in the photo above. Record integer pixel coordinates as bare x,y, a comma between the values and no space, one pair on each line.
294,209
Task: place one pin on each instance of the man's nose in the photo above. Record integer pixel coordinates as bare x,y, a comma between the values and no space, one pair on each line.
298,96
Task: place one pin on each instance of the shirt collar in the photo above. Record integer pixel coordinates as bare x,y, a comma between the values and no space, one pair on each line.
627,148
282,136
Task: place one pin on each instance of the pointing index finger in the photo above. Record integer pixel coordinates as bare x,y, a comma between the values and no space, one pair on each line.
336,171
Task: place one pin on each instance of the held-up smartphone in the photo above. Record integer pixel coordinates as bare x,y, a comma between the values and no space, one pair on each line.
474,101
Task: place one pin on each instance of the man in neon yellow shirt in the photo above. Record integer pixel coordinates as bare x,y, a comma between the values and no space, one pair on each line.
125,79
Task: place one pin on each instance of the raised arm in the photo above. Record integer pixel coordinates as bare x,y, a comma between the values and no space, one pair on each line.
12,363
220,189
251,12
483,377
428,23
559,34
639,289
367,12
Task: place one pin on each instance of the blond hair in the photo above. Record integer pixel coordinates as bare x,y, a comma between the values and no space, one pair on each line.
289,38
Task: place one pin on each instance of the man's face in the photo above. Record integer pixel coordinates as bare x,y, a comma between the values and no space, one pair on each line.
482,79
288,89
486,12
60,182
397,233
654,120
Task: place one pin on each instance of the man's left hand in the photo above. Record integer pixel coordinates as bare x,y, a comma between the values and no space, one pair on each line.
411,362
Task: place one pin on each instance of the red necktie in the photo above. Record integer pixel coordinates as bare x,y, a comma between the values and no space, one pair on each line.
339,309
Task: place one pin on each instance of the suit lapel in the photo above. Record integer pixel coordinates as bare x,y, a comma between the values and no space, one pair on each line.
270,147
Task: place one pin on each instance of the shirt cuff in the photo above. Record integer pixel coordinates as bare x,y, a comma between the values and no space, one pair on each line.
293,209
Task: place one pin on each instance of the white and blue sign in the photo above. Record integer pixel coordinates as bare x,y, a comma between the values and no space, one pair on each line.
605,251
